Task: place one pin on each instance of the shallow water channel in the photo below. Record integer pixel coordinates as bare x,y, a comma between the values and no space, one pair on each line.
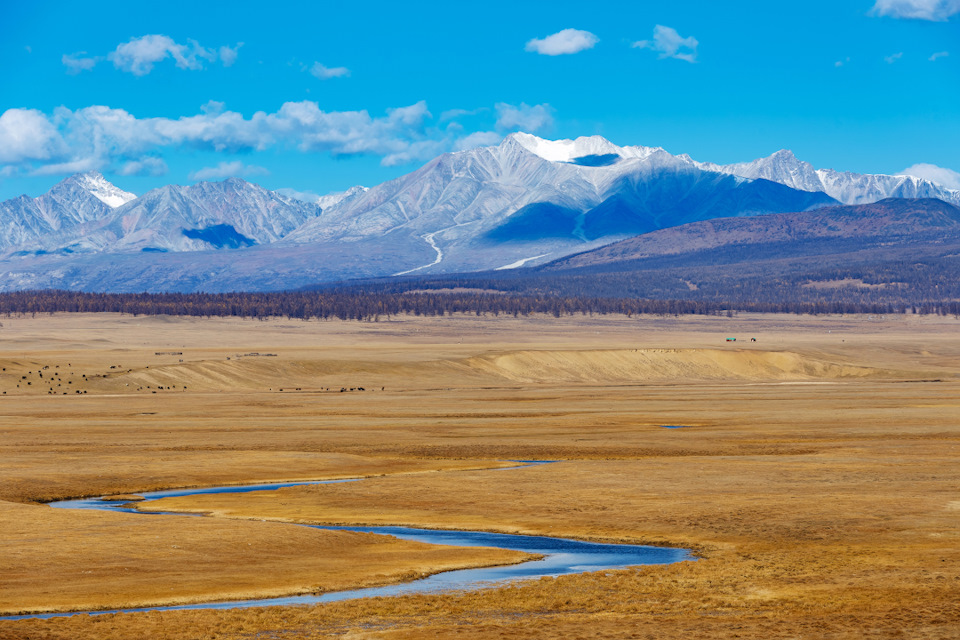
561,555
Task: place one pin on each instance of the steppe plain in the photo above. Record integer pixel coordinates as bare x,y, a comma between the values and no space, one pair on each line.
815,475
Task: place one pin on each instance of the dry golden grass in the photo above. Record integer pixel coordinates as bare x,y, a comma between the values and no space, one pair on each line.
58,560
818,479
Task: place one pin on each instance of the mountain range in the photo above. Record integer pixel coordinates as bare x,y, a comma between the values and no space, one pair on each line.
524,202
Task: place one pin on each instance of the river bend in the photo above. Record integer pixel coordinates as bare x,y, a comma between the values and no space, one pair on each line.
561,556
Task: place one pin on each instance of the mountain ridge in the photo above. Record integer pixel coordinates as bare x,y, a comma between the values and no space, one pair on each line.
522,203
887,221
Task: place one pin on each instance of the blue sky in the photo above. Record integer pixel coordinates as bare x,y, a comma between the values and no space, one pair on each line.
317,97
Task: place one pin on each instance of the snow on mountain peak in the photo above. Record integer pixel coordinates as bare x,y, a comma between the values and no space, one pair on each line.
571,150
332,199
849,188
784,154
566,150
106,192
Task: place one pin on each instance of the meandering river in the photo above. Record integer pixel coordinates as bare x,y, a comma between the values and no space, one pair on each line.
561,556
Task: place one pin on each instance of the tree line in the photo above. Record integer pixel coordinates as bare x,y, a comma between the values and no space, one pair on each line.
373,304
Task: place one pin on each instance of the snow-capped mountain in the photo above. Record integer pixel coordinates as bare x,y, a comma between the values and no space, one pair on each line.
325,201
847,187
208,215
104,191
532,200
471,193
74,201
332,199
229,214
523,202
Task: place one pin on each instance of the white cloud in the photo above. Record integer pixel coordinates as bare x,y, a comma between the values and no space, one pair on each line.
524,117
477,139
213,107
670,44
80,165
141,54
419,150
26,135
325,73
840,63
935,10
228,55
453,114
146,166
77,62
303,196
938,54
941,175
893,58
100,137
233,169
563,42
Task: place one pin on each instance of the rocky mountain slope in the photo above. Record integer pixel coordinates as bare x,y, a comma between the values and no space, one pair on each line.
849,188
524,202
79,199
890,222
529,199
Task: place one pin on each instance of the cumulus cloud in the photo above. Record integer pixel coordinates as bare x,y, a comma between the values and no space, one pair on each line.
325,73
524,117
27,134
228,55
77,62
941,175
935,10
893,58
80,165
98,136
420,150
563,42
453,114
303,196
139,55
233,169
146,166
670,44
101,137
938,54
478,139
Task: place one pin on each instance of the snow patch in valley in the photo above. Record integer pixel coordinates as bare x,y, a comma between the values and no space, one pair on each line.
520,263
429,238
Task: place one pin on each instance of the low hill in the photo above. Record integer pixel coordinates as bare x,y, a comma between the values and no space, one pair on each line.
890,222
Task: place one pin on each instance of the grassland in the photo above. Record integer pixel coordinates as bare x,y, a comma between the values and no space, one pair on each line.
816,474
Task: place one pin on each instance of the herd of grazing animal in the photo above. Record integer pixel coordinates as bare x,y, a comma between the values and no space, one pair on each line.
32,378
